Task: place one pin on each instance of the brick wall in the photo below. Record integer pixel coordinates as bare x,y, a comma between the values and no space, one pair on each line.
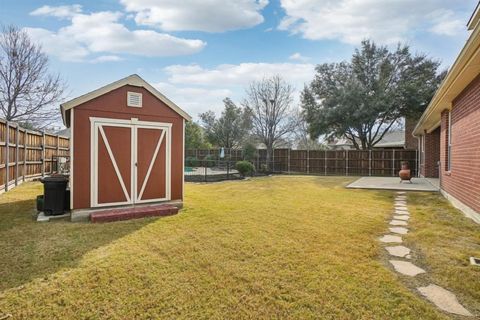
432,153
463,180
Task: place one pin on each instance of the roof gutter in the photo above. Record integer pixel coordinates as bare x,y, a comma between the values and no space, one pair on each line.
465,69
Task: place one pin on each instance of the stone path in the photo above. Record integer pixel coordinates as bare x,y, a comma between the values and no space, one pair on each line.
442,298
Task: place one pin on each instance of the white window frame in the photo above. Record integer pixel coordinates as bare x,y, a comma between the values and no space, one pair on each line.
133,124
140,99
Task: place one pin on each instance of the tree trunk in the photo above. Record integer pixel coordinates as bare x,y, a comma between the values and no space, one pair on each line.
269,156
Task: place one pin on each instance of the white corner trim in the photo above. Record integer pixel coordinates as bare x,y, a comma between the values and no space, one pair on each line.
72,135
466,210
183,161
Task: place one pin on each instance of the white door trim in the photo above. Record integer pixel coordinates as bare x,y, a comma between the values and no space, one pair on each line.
157,148
95,129
114,162
168,140
95,125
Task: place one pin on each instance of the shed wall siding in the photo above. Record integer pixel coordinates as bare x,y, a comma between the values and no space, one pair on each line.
114,105
463,180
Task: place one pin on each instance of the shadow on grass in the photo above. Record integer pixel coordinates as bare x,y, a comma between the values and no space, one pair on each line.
30,249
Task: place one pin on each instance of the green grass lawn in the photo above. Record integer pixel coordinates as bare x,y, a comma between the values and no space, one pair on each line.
274,247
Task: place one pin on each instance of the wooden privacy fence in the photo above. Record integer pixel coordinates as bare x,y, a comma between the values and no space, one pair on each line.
26,154
376,162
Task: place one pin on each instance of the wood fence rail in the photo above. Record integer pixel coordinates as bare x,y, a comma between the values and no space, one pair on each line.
376,162
27,154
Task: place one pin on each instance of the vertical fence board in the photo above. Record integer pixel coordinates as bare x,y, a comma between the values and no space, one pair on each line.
27,154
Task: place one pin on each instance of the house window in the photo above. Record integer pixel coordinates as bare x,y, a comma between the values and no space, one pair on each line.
449,142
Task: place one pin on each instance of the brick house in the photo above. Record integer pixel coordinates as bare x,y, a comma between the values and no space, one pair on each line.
449,130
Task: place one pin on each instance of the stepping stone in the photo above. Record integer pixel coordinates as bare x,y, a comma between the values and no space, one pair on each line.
398,206
401,203
401,197
406,268
398,230
405,213
404,218
391,239
398,223
444,300
399,251
401,192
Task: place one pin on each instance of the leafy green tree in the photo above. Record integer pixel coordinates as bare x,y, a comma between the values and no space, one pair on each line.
194,138
230,129
363,99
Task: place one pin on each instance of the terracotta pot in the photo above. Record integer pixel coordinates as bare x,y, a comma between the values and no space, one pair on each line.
405,173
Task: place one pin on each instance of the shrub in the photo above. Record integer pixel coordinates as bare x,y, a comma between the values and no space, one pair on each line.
209,161
191,162
244,168
249,152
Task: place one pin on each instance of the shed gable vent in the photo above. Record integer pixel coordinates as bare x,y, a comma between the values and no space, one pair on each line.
134,99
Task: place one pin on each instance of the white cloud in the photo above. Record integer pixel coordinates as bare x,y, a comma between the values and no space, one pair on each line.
59,12
445,23
106,58
240,74
351,21
199,89
197,15
298,57
102,32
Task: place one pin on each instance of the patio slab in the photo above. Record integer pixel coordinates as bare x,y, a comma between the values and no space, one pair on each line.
393,183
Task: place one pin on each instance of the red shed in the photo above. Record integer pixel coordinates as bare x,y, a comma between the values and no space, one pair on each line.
127,147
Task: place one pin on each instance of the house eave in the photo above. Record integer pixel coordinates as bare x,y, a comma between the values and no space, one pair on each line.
465,69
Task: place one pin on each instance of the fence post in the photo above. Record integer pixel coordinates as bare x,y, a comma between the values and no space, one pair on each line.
370,162
17,140
205,168
43,154
288,160
325,164
308,161
346,163
7,155
58,151
273,160
393,163
25,135
228,169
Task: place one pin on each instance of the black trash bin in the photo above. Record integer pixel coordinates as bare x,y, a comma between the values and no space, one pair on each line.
54,194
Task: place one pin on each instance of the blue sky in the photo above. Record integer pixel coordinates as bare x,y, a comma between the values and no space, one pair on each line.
197,52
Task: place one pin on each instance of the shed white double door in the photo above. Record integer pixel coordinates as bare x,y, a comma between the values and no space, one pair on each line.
130,161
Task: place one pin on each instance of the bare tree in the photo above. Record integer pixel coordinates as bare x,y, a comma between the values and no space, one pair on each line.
28,92
302,137
270,104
